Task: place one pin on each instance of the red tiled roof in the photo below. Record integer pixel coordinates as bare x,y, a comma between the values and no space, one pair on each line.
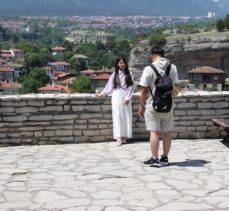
63,75
5,51
68,80
16,50
57,73
101,77
6,55
10,65
55,88
19,60
58,63
2,60
5,69
58,49
206,69
106,70
87,71
10,85
80,56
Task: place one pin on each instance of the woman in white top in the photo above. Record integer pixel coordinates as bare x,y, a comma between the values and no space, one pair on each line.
120,84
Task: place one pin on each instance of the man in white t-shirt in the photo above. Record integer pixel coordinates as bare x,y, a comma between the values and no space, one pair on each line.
156,122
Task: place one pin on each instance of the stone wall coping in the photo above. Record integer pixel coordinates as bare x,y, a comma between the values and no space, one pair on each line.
57,96
200,93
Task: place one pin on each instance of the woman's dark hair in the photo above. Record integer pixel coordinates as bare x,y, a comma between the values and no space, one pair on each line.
157,50
129,81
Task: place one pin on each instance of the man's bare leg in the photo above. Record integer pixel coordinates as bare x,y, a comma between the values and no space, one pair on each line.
166,143
154,144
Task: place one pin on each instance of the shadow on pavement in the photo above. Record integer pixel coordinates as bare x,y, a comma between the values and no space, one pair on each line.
225,143
188,162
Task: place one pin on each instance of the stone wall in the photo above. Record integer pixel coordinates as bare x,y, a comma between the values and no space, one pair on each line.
194,112
75,118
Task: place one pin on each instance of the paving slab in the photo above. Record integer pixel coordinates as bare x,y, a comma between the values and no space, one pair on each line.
106,177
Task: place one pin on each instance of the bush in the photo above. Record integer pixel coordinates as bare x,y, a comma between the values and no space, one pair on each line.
189,38
220,25
182,84
211,88
226,22
35,79
226,87
157,38
82,84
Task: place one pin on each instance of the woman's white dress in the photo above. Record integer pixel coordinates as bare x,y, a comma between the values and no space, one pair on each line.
121,114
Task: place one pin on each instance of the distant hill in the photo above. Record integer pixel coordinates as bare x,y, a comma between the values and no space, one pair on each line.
223,4
110,7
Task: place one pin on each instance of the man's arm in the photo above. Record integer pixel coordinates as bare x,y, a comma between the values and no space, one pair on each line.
143,96
175,88
175,82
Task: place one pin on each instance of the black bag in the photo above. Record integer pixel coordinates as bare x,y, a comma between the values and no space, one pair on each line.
162,96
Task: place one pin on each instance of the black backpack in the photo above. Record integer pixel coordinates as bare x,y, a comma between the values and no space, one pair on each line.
162,96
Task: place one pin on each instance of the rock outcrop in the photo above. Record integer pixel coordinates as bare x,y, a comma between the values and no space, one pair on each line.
186,55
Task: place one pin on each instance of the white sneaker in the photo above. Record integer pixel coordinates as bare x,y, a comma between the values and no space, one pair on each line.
119,142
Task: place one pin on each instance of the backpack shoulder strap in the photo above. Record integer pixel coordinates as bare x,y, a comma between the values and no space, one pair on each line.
157,74
155,70
150,91
168,69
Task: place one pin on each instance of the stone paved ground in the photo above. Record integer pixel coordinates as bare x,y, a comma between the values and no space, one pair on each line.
105,177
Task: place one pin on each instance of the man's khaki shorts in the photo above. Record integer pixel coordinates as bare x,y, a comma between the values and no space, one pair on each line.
158,122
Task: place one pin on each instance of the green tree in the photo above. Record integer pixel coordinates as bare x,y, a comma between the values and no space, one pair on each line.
108,59
171,31
15,37
68,45
26,47
82,84
111,42
189,38
179,30
89,49
32,60
157,38
220,25
211,88
95,64
35,79
45,56
100,46
67,55
74,65
226,87
123,45
3,33
58,57
226,22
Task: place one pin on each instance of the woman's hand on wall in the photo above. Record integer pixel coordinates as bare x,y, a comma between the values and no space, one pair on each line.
126,102
99,95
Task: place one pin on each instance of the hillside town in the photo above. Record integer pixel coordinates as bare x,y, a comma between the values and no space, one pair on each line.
23,24
11,68
79,40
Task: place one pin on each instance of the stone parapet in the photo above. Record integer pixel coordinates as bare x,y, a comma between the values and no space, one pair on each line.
77,118
194,111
